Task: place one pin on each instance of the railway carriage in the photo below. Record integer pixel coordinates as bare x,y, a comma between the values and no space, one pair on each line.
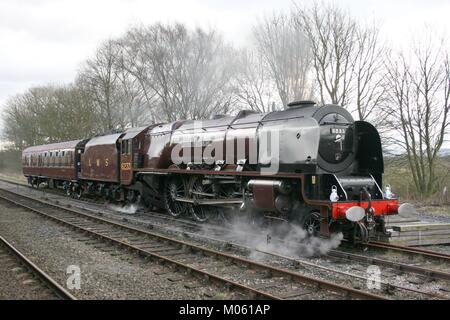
311,165
52,163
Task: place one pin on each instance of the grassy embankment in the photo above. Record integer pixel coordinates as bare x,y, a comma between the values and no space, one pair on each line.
398,175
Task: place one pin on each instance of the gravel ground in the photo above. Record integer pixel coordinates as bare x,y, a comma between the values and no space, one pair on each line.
434,218
105,274
17,283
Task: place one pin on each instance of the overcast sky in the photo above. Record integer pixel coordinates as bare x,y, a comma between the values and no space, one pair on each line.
45,41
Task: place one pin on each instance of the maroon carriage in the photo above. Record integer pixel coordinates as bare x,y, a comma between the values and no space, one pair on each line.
51,163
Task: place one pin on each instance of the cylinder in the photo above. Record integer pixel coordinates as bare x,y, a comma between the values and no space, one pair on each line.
271,195
280,186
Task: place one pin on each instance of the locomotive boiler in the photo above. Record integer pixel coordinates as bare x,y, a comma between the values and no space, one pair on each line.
309,165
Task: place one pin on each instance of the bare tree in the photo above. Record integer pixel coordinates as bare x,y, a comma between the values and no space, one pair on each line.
48,114
348,58
287,55
17,116
116,93
135,62
98,78
255,87
369,73
182,73
332,36
133,109
418,114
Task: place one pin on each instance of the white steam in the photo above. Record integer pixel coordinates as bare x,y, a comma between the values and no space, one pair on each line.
128,209
283,239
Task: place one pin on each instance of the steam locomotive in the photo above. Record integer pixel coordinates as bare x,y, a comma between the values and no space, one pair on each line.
309,165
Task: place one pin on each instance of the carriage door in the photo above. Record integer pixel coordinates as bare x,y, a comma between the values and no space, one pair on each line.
126,166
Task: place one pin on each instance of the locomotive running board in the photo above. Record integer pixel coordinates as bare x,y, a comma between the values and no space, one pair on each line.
153,173
210,202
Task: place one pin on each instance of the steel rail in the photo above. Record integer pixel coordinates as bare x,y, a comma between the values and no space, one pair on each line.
52,284
387,285
403,249
436,274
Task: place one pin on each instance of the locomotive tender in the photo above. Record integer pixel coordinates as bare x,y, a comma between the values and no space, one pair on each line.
310,165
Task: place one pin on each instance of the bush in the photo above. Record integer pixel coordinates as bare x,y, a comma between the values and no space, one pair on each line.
10,161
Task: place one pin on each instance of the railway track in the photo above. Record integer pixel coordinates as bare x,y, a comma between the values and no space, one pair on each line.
192,230
410,250
338,253
31,276
427,273
195,229
257,280
298,263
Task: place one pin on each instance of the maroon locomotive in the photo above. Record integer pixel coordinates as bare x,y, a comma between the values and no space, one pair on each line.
308,164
